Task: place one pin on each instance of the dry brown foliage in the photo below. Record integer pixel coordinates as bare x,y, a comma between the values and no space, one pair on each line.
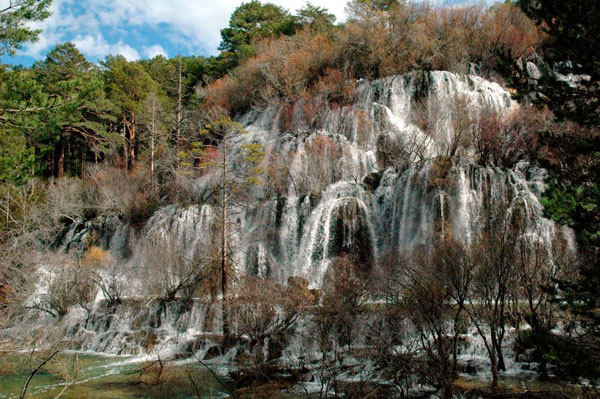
374,44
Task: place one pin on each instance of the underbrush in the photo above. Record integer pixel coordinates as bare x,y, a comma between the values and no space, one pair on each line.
375,44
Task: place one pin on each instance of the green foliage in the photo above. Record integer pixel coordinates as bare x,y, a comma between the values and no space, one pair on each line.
22,98
213,149
315,18
254,158
572,153
371,44
573,158
191,156
252,21
82,113
382,5
65,112
14,21
576,206
166,73
128,83
538,340
18,161
577,353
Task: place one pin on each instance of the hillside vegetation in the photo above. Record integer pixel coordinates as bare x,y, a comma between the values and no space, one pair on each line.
106,147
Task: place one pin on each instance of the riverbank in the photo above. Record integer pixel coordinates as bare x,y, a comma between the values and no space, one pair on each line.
95,376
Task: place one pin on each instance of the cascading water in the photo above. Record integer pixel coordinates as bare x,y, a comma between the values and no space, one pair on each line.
422,197
356,232
346,195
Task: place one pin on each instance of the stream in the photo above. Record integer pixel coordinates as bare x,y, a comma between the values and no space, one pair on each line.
107,377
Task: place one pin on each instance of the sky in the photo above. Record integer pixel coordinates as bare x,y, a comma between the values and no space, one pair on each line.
141,28
144,28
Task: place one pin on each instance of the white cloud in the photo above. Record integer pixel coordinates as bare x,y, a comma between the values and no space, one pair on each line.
195,24
96,46
37,50
153,51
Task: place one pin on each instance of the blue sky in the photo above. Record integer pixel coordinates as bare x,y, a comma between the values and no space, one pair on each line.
141,28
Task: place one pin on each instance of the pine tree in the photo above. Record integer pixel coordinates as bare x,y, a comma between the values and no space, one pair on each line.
14,19
251,21
78,121
128,86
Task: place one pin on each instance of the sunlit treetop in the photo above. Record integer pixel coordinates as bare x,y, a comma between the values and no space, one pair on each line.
13,23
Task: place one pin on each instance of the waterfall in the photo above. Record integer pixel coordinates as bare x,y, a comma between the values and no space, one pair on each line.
316,242
369,179
328,209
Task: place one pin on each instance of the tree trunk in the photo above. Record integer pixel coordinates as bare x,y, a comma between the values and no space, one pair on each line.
224,269
60,157
501,364
543,365
131,129
448,391
125,142
224,242
178,110
82,163
153,132
456,327
497,347
494,364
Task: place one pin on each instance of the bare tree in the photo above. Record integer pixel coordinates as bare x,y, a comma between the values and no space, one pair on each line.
264,314
319,158
434,287
494,284
171,272
339,321
394,340
106,274
232,170
448,121
503,140
533,312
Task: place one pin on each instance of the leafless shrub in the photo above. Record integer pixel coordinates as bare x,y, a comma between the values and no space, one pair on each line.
117,191
494,284
504,140
170,271
264,314
321,157
106,274
374,44
430,289
345,294
65,283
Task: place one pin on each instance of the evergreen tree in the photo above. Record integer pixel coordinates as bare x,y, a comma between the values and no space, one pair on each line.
252,21
21,99
178,78
128,86
14,19
570,87
573,48
78,124
315,18
19,92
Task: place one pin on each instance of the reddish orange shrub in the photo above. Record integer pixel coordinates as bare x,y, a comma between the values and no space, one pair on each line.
373,44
